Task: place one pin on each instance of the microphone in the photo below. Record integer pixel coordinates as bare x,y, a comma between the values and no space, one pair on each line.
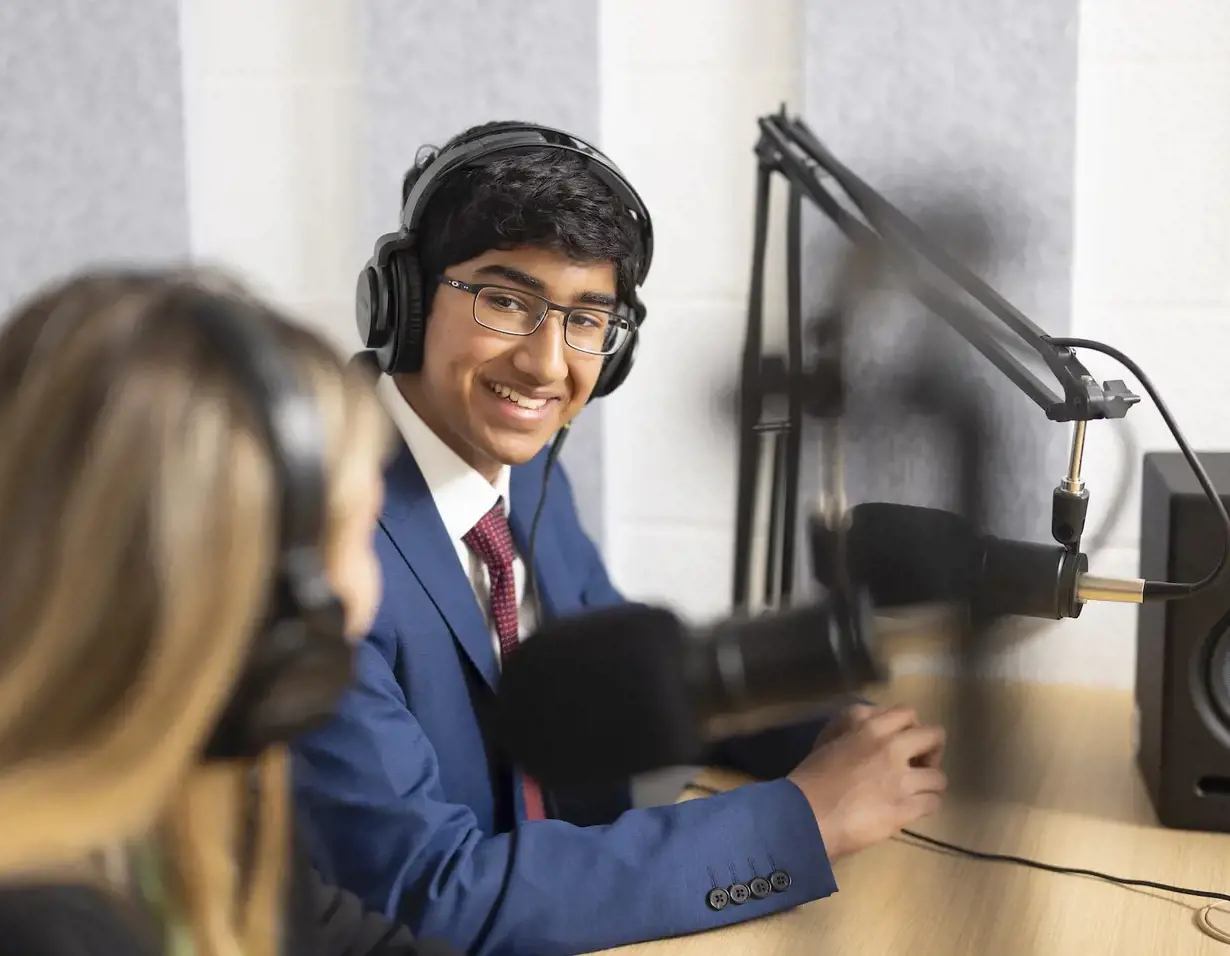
904,555
602,696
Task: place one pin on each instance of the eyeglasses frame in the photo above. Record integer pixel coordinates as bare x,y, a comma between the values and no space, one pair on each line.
475,289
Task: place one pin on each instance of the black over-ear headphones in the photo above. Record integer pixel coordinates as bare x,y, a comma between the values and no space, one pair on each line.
300,663
390,302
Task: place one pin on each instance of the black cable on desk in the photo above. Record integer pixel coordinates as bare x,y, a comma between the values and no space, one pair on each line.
1204,917
1068,870
1025,861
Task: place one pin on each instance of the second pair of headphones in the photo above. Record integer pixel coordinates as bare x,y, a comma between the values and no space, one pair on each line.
300,662
391,300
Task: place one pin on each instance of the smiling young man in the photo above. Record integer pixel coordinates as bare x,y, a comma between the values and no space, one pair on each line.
525,262
493,405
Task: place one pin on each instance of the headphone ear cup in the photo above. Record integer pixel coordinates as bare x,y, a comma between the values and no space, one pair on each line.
301,666
410,316
370,311
615,370
378,301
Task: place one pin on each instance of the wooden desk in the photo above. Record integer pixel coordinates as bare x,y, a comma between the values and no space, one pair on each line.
1071,796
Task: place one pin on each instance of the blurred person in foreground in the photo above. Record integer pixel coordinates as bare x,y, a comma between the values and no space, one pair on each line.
139,515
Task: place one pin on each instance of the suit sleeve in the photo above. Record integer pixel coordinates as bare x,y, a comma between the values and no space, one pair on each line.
370,792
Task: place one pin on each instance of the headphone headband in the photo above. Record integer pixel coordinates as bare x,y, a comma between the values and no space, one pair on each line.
486,146
285,413
300,662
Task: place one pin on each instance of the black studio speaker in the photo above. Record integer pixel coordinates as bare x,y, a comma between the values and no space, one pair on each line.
1183,648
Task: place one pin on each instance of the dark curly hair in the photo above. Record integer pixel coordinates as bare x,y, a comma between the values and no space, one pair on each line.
544,197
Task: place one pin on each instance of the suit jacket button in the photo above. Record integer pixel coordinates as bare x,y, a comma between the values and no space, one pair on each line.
739,893
780,881
760,887
717,899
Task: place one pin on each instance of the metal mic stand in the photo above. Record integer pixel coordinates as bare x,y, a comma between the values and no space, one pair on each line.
766,424
779,391
776,391
775,394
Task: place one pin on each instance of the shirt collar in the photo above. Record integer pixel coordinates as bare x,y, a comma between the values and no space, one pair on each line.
462,496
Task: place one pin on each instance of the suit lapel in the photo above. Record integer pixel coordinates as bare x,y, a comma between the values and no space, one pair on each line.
412,521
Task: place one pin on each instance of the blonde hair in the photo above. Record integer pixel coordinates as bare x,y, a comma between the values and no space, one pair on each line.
137,524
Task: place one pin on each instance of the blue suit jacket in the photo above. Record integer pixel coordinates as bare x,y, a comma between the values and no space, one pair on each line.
407,805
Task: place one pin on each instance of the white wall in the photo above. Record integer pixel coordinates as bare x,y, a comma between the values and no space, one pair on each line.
682,84
92,168
272,125
1153,214
1152,273
1152,269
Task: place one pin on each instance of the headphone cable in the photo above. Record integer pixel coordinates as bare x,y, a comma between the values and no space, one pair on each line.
531,578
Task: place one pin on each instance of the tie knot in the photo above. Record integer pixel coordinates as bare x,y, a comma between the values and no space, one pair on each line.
491,539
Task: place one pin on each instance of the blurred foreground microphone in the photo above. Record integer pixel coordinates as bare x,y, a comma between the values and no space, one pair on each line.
602,696
907,555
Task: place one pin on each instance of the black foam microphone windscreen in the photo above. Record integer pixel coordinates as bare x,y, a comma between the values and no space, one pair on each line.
602,696
904,555
599,696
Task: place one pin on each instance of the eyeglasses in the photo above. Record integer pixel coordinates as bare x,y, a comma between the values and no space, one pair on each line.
515,312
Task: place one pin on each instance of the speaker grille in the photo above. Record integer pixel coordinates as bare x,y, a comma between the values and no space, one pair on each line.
1214,675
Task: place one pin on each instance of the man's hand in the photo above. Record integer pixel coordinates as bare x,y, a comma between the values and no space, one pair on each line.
873,771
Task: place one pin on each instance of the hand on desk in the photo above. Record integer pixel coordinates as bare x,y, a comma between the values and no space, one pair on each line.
873,771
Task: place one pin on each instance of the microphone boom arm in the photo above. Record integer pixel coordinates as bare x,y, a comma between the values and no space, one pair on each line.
788,146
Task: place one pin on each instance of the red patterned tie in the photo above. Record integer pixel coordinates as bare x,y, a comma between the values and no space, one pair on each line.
491,540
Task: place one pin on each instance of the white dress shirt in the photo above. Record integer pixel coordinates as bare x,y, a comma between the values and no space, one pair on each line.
462,497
